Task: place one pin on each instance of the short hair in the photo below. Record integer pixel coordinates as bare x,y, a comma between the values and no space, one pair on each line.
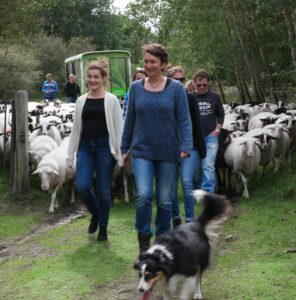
96,66
157,50
138,70
171,71
72,75
48,74
202,74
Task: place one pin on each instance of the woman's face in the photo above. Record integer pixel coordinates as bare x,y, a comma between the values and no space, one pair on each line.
95,80
153,65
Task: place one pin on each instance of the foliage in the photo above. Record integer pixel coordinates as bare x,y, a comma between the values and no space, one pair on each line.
18,69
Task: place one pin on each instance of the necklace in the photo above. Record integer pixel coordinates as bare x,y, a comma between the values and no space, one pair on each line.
157,84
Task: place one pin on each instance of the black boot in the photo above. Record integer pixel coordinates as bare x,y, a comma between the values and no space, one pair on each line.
177,222
144,245
103,236
93,225
144,242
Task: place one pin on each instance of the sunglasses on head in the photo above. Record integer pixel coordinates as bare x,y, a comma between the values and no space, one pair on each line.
202,84
182,79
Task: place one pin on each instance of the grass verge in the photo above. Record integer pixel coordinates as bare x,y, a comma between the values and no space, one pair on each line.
65,263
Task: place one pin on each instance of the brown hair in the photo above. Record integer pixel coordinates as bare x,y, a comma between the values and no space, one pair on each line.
159,51
96,66
138,70
201,74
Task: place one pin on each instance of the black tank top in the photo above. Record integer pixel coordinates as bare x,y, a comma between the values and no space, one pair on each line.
94,119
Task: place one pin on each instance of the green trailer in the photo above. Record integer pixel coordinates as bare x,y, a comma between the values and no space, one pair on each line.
119,68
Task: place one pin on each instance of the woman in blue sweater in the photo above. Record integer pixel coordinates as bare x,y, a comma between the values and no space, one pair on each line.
157,133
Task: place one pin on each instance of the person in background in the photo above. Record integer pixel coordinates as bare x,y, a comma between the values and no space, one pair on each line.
138,74
96,136
157,133
49,88
187,165
212,118
72,89
189,86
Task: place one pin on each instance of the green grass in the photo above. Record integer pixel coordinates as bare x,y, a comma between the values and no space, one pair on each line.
66,263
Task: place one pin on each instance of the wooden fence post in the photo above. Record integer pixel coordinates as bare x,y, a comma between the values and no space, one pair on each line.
19,174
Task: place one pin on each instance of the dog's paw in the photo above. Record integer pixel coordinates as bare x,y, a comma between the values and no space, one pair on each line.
199,195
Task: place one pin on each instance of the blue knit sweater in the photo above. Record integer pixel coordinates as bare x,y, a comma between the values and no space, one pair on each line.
157,124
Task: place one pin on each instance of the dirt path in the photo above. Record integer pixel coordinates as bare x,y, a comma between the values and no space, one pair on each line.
18,247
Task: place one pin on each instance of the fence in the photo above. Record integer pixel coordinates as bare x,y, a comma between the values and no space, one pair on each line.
19,159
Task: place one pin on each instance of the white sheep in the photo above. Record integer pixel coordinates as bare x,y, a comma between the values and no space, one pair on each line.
54,171
39,146
45,128
262,119
243,156
283,142
267,144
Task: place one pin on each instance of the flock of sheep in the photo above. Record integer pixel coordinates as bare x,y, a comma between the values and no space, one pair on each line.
252,135
255,135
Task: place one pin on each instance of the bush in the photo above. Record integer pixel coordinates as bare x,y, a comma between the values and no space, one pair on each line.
18,70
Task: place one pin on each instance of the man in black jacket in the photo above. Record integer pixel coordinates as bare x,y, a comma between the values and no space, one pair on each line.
187,164
212,118
72,89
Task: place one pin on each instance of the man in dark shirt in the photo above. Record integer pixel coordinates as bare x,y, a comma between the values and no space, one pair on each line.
212,118
72,89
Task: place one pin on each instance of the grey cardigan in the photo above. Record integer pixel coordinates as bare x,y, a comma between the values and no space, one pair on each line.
114,125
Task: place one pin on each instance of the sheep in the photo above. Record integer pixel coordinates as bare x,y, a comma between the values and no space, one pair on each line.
124,174
39,147
220,164
230,122
267,145
54,171
45,128
262,119
283,142
243,156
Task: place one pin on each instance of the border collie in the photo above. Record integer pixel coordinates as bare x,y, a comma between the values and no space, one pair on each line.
178,258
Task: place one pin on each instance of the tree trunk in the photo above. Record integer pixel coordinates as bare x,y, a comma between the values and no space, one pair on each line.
264,60
291,35
236,64
257,90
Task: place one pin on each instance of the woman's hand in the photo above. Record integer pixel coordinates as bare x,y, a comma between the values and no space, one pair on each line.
185,154
125,157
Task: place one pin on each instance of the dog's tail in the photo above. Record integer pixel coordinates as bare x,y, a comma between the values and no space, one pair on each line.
215,212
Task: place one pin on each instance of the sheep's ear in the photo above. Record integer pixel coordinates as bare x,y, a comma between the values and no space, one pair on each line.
242,143
35,172
285,130
258,144
272,137
55,172
257,136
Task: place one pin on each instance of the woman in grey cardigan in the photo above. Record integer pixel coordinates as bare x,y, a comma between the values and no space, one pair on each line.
157,133
96,136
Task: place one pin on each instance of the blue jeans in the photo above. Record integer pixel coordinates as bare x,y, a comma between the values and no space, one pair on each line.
187,171
71,99
144,172
208,175
49,96
174,197
94,155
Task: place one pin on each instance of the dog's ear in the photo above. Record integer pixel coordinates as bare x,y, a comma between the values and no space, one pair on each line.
160,256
